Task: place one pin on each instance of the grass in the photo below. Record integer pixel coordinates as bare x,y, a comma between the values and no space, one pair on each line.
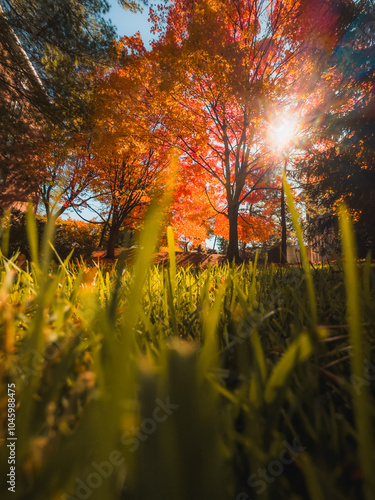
226,383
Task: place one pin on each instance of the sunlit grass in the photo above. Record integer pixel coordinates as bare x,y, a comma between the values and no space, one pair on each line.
255,363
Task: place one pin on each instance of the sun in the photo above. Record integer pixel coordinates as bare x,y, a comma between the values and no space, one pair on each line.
282,131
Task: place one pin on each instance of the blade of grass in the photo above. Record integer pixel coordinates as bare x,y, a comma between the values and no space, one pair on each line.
361,397
171,281
298,352
5,233
303,252
32,234
172,258
311,477
211,318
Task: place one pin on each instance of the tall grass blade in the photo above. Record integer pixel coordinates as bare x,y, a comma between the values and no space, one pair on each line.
303,252
171,281
361,395
311,477
32,233
211,318
172,258
5,232
45,249
298,352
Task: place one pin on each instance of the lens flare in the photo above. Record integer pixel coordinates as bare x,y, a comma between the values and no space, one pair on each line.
282,131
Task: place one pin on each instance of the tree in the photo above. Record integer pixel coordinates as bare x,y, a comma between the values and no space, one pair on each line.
125,182
65,40
68,174
342,166
21,122
223,65
49,50
127,159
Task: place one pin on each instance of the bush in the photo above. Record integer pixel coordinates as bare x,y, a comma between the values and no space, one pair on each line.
70,234
81,236
18,234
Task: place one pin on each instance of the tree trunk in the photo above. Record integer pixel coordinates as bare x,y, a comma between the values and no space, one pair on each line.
232,252
112,240
283,256
102,234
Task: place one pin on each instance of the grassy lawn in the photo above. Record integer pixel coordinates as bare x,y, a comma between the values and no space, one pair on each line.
179,383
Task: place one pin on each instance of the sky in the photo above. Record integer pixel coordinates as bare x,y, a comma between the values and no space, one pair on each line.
128,23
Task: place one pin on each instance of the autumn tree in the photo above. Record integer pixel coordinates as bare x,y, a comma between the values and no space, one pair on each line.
127,158
68,174
223,66
60,44
21,121
191,214
125,183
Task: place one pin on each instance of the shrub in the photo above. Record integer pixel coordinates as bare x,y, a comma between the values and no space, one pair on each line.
70,234
81,236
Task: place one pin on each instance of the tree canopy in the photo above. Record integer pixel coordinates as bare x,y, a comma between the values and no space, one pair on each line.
223,68
65,40
343,170
218,77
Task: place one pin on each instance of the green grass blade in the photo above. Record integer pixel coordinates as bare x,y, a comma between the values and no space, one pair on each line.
171,280
298,352
311,477
303,252
172,258
361,396
5,232
211,318
32,234
46,250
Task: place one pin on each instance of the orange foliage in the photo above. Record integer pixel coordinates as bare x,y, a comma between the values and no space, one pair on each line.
218,72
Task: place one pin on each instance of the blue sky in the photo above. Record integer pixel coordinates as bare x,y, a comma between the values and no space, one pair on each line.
128,23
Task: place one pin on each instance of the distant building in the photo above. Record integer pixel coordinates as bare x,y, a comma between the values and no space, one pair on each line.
321,243
22,99
292,254
323,236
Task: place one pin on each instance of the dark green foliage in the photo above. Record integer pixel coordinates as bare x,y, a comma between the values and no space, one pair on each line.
65,40
222,245
18,239
70,235
346,171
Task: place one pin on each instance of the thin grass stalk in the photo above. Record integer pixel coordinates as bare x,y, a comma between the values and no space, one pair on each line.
304,257
361,396
5,232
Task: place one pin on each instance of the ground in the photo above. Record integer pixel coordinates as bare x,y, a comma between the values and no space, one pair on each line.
184,259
